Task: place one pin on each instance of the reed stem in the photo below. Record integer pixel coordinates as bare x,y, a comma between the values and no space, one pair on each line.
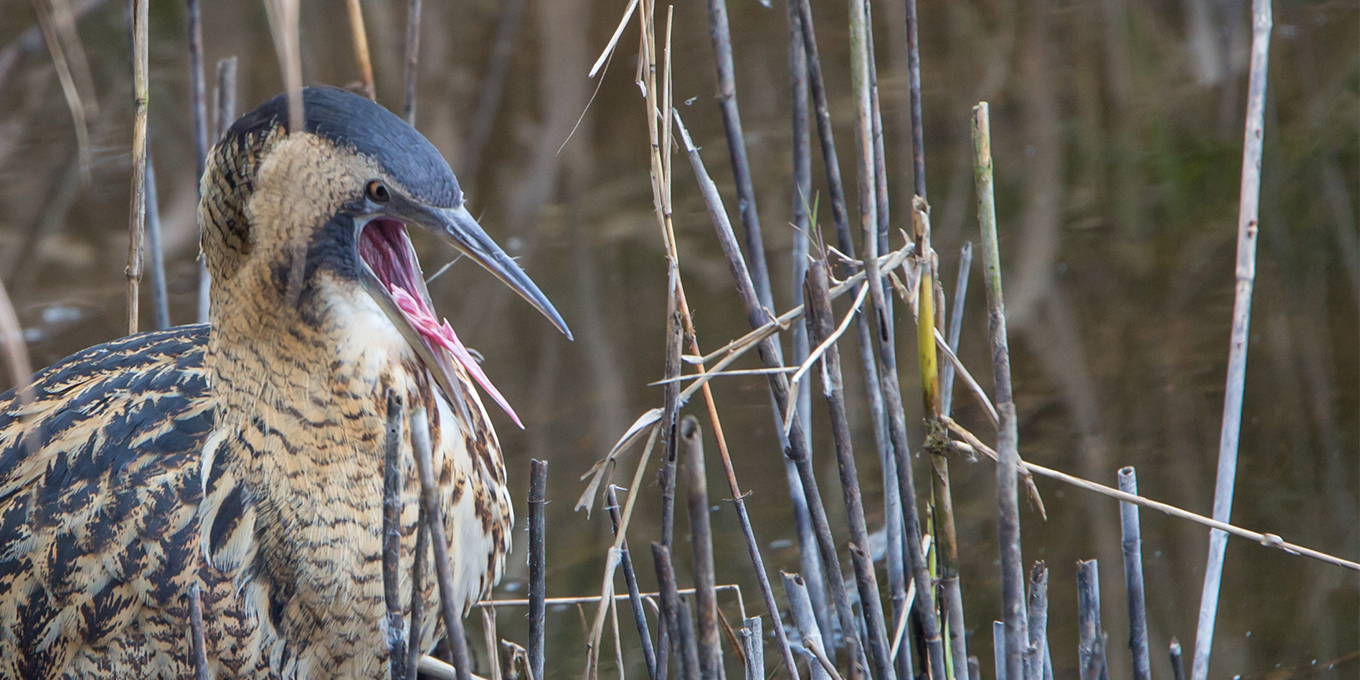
682,646
1091,649
359,36
1247,228
1132,542
820,322
137,217
196,640
630,578
538,487
701,530
443,568
1038,662
1008,506
802,228
753,645
408,110
393,483
160,297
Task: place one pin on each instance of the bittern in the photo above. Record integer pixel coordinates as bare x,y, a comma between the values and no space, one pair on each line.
246,455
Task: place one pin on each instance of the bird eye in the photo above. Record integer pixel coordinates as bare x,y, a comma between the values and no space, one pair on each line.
377,191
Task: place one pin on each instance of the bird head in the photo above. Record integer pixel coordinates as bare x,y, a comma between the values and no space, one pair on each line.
333,204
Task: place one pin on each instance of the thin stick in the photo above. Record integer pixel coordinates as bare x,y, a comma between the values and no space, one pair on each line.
160,298
359,36
393,483
137,218
413,10
918,148
1247,227
196,641
753,645
800,610
1133,576
721,36
951,598
1177,662
683,643
1038,663
795,449
16,350
630,578
1267,540
999,649
1008,508
197,87
491,636
414,636
1091,650
701,531
225,97
955,328
974,668
81,111
820,318
538,486
434,515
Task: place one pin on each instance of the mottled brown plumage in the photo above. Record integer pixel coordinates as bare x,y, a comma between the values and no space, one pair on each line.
246,455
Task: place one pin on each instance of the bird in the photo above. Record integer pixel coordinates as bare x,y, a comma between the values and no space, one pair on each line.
243,458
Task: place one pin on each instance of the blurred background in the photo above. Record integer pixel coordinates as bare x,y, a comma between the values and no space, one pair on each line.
1117,129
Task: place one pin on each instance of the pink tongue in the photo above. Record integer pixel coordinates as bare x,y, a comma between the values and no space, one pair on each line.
442,335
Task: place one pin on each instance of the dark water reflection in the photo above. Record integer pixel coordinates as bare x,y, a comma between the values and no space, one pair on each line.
1118,147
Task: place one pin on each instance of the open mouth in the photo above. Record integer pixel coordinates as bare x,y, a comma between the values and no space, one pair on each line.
386,249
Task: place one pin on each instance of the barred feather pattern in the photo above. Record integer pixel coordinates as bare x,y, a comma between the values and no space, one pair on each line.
121,484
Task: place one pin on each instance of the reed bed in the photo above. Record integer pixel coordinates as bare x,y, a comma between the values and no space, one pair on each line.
829,624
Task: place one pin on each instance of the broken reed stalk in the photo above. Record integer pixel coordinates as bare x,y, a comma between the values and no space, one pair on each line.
1132,542
359,36
951,597
1247,228
794,443
955,328
196,641
701,530
820,322
682,644
393,483
434,519
1008,505
1177,662
974,669
408,111
1038,662
1091,647
160,297
721,35
802,229
999,649
137,217
805,620
538,489
224,97
630,578
413,634
753,646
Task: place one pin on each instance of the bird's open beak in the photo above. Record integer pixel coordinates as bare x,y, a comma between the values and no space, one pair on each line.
457,227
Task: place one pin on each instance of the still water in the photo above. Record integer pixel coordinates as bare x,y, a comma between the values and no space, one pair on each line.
1117,135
